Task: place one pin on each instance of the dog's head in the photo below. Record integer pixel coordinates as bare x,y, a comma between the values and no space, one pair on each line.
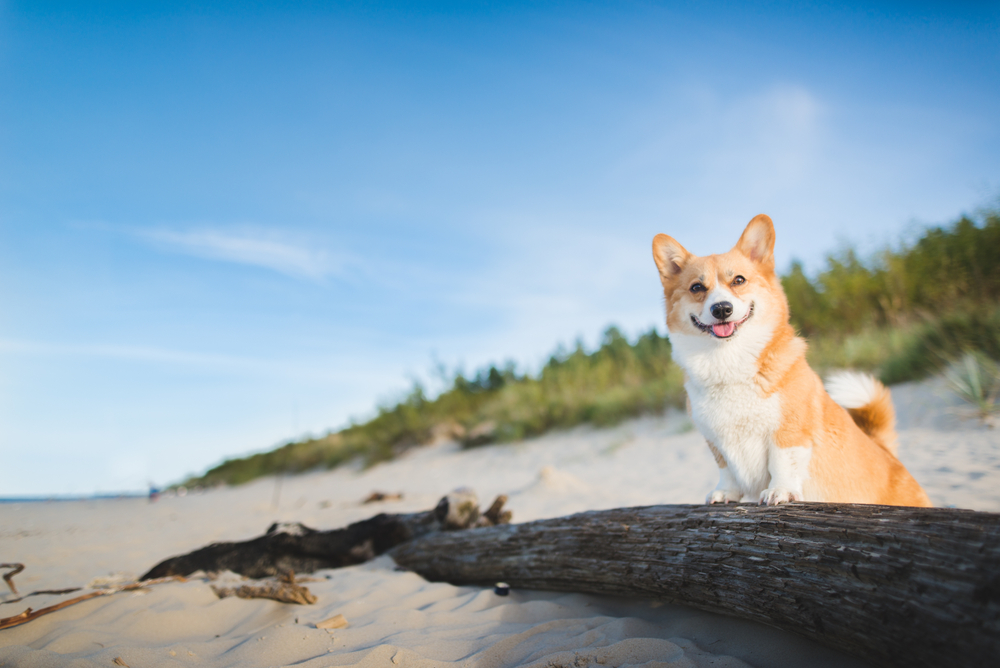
720,296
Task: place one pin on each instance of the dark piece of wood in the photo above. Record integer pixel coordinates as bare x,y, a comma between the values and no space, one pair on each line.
890,585
297,548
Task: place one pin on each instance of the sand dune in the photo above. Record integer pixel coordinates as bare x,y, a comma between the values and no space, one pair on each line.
397,618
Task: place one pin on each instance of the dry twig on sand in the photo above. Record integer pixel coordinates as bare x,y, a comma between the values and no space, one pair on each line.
43,592
29,614
375,497
8,577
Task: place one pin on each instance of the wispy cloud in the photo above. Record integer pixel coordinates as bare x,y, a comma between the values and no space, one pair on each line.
321,367
124,352
255,247
699,140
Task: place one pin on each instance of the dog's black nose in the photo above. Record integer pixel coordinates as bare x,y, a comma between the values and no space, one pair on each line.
722,310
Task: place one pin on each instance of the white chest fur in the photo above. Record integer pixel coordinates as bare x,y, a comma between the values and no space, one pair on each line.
727,406
740,424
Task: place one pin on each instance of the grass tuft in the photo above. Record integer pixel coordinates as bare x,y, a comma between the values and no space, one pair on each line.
976,379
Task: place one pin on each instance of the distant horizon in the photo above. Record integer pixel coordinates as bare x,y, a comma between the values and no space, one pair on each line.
224,227
130,494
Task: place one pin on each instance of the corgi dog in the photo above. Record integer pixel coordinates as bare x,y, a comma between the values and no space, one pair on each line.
775,431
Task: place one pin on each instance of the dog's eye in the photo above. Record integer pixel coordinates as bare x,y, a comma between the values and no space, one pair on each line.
697,287
739,280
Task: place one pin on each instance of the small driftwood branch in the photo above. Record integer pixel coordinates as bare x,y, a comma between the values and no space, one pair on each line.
29,614
297,548
8,577
284,590
42,592
376,497
893,586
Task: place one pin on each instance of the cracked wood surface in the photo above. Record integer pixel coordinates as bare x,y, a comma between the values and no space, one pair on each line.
891,585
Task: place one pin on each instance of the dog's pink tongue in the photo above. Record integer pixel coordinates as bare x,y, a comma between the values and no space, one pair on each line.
724,329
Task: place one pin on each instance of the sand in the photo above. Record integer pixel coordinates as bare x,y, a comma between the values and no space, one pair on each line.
397,618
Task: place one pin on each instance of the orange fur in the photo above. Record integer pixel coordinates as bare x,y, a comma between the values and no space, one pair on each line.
878,420
769,422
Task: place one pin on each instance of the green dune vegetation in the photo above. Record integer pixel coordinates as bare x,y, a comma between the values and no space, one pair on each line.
903,314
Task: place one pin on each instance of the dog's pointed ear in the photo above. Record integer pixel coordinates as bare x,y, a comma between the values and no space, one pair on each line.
670,257
757,241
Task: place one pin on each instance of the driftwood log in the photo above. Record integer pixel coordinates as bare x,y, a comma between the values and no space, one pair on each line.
296,548
893,586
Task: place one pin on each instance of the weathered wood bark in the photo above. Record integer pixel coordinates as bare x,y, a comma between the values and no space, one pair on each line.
894,586
294,547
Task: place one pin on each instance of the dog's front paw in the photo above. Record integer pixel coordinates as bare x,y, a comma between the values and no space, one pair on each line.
724,496
772,496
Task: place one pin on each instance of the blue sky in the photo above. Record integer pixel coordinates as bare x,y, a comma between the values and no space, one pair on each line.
224,225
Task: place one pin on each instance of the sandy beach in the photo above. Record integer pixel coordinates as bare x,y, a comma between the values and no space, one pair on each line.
397,618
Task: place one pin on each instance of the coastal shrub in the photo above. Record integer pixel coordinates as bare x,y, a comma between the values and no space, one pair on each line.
912,350
949,269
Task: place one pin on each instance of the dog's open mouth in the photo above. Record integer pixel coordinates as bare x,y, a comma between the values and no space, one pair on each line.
722,330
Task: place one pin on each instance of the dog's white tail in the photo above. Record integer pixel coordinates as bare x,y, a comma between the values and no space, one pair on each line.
869,403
